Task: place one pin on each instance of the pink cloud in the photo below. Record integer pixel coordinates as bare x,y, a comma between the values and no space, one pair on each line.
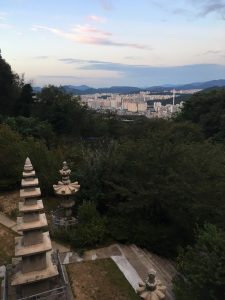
96,19
87,34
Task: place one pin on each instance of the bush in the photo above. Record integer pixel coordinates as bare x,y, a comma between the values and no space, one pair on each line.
201,267
91,227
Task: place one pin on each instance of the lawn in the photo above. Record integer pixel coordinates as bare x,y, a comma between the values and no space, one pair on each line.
99,280
7,245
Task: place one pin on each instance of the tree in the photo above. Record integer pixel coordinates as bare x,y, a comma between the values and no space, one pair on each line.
207,109
11,158
201,267
91,227
24,103
9,88
61,109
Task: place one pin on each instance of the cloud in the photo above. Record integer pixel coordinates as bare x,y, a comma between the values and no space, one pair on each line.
41,57
96,19
3,15
193,8
156,75
59,76
106,4
210,52
87,34
212,6
5,26
202,8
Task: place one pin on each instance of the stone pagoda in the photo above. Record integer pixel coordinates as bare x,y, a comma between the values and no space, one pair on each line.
152,289
66,188
33,248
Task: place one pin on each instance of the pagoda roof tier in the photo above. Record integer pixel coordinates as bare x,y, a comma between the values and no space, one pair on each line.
44,246
27,174
27,226
29,277
29,182
29,208
66,189
30,192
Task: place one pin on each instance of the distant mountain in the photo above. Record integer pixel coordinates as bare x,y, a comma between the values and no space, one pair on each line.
79,87
84,89
204,85
78,90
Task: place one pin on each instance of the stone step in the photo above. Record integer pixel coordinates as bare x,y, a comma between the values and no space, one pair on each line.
151,262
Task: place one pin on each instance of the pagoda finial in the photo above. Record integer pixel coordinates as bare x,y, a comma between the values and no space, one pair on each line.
65,173
28,165
66,187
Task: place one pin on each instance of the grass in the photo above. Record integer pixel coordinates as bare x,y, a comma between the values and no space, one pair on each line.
99,280
7,238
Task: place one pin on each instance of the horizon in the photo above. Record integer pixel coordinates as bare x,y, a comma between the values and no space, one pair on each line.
103,43
166,85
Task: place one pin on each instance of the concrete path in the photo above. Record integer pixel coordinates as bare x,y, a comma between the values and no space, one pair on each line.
135,263
128,271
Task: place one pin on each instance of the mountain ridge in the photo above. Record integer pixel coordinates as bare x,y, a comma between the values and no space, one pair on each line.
84,89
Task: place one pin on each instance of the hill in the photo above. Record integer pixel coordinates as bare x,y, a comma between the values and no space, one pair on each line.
84,89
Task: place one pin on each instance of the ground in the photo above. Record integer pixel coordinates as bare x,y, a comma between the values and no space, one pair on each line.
99,280
7,245
9,203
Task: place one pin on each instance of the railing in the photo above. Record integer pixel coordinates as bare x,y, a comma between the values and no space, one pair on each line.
50,294
5,287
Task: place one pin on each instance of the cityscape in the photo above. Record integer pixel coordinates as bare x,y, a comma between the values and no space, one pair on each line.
151,105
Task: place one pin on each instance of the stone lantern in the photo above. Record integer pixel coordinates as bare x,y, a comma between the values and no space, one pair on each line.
65,188
152,289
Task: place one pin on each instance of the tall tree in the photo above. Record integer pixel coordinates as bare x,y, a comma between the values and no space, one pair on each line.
9,88
201,267
24,103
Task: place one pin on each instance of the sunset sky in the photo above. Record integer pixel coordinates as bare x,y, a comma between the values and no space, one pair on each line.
119,42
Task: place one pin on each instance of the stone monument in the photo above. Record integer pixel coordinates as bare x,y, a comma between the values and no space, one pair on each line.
33,248
152,289
65,188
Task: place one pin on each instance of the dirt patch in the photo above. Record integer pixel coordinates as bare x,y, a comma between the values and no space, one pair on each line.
9,203
7,238
99,280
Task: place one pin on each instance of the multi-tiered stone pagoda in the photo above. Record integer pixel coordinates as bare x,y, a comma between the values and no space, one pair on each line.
66,189
33,247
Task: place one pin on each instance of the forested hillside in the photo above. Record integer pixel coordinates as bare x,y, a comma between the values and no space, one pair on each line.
149,182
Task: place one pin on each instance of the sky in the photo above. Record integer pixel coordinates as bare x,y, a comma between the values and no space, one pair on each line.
104,43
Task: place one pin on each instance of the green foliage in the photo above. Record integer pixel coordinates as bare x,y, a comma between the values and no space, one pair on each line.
61,110
11,158
13,151
207,109
31,127
201,267
147,187
91,227
9,88
23,105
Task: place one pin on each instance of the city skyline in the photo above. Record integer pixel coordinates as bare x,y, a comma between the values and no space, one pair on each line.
105,43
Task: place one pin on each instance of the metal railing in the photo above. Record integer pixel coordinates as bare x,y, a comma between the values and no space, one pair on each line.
50,294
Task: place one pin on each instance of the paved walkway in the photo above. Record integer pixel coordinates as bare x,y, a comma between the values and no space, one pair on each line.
134,262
